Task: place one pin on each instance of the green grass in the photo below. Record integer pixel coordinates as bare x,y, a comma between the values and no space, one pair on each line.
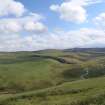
39,78
82,92
27,75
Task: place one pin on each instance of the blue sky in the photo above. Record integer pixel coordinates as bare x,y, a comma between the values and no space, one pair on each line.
51,24
42,7
52,19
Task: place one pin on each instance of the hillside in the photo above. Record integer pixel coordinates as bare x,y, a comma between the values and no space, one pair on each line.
53,77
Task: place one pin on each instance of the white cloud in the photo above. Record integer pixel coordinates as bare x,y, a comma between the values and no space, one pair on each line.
30,22
100,20
11,7
70,12
57,40
35,26
73,10
85,2
10,26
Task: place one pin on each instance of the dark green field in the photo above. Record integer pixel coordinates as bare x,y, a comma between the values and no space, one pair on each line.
53,77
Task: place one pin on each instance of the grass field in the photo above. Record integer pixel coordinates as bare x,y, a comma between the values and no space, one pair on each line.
53,77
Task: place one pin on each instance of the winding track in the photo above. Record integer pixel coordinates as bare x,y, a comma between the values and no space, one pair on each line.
86,74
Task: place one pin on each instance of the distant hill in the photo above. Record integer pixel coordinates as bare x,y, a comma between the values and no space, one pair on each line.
85,50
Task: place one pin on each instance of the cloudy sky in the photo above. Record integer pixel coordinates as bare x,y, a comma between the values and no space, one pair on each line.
51,24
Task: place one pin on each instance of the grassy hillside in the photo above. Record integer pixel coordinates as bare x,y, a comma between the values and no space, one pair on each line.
81,92
52,77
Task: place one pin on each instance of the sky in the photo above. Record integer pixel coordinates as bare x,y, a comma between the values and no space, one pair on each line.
30,25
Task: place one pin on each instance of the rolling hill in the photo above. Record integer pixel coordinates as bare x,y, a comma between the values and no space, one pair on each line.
53,77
